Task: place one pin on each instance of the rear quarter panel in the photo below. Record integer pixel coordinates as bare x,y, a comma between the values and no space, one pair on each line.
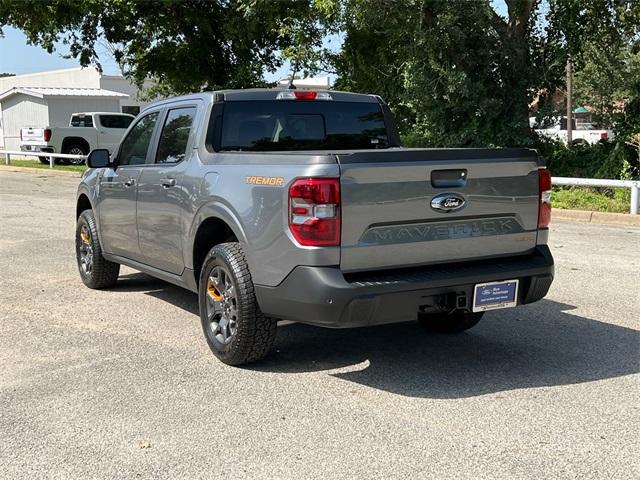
226,187
58,134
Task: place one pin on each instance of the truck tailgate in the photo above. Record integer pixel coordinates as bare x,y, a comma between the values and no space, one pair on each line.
32,135
388,220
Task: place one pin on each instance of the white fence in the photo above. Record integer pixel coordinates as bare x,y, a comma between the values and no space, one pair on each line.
634,185
51,156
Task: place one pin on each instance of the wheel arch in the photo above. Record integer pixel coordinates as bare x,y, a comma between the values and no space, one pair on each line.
81,142
213,224
82,203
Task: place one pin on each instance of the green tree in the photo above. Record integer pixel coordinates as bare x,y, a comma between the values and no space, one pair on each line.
606,80
459,73
185,45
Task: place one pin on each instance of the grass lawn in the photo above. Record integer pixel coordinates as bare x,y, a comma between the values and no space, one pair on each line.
595,199
37,164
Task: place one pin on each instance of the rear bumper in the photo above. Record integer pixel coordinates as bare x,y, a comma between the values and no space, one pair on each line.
324,296
37,148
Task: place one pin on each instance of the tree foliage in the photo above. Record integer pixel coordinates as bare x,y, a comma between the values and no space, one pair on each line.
606,81
460,74
186,45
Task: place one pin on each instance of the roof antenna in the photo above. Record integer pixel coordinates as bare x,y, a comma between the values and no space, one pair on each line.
291,86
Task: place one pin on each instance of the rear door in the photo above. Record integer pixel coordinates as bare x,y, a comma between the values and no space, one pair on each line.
118,190
162,199
408,207
111,128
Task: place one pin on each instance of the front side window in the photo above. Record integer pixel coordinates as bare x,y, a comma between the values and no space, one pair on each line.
115,121
172,147
136,144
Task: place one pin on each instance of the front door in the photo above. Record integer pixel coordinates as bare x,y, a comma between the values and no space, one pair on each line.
162,198
118,188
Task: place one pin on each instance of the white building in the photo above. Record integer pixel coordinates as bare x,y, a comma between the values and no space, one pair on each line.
49,98
321,83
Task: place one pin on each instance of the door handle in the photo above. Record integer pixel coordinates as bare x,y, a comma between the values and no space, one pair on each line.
168,182
449,178
130,183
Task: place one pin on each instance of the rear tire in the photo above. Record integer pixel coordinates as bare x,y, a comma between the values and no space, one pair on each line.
235,328
44,160
74,149
95,271
454,323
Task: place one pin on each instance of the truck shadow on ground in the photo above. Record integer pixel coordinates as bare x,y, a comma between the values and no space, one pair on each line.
141,282
537,345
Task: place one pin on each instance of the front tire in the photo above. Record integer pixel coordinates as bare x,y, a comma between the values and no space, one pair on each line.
236,330
95,271
454,323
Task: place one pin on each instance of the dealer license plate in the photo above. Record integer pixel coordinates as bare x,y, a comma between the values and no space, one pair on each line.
494,295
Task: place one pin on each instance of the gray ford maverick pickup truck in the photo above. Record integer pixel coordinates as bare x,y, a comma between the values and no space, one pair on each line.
302,205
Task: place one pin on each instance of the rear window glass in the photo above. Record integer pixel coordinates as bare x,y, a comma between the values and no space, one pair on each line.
81,121
279,125
115,121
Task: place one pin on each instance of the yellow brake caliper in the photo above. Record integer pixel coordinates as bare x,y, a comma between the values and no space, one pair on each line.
85,237
213,292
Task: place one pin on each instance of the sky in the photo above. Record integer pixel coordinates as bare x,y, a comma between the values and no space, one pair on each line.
16,56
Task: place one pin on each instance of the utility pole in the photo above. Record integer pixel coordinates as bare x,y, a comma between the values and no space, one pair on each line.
569,102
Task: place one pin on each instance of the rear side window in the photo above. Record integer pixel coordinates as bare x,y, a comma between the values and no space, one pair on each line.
280,125
175,135
115,121
81,121
136,144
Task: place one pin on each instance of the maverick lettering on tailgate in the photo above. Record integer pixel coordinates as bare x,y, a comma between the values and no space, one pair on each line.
426,232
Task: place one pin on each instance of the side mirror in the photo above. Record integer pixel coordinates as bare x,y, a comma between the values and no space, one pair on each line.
98,158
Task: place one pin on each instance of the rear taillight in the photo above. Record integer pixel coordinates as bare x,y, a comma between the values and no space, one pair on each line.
314,211
603,135
544,193
47,134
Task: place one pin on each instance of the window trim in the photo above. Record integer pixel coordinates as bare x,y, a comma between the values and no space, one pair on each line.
213,136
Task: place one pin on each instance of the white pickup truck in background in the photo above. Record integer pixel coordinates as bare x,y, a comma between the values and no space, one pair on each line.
86,131
582,134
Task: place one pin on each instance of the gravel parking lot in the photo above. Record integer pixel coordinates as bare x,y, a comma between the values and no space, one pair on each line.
121,384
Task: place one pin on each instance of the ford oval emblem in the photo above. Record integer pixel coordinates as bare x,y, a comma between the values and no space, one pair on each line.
448,202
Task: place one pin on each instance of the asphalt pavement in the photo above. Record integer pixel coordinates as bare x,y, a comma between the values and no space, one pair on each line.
121,384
